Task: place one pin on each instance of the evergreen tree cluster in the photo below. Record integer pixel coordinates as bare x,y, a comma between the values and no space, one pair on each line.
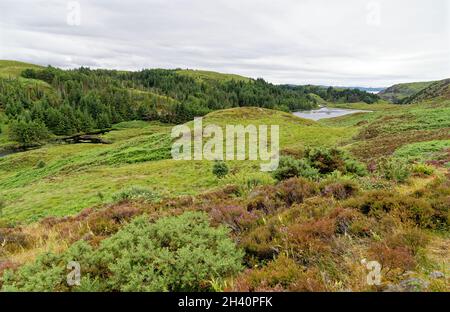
65,102
337,95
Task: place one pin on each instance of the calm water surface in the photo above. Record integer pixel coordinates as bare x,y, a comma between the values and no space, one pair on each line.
325,112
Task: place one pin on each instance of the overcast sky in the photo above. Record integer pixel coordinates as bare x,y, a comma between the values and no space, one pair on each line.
345,43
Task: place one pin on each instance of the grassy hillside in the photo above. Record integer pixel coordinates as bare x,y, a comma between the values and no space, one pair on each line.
295,231
373,185
14,68
66,102
399,92
139,155
204,75
318,99
383,131
439,89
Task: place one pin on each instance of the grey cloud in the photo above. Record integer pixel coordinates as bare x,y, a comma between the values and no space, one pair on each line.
287,41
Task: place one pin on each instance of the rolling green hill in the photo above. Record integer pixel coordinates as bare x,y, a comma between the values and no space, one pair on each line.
399,92
372,185
89,192
139,155
66,102
437,90
14,68
210,75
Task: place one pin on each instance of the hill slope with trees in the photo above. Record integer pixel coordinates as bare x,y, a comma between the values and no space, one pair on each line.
439,89
51,101
399,92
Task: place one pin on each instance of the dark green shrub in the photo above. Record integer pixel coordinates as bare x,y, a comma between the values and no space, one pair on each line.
362,227
441,216
290,167
287,168
175,254
41,164
181,253
48,272
220,169
28,133
318,162
355,167
326,160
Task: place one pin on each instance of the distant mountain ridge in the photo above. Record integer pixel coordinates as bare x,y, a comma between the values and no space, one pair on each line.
439,89
399,92
414,92
367,89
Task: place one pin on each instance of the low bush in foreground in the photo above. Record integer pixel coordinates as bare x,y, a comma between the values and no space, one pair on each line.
220,169
298,235
333,159
281,274
181,253
317,163
290,167
409,209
